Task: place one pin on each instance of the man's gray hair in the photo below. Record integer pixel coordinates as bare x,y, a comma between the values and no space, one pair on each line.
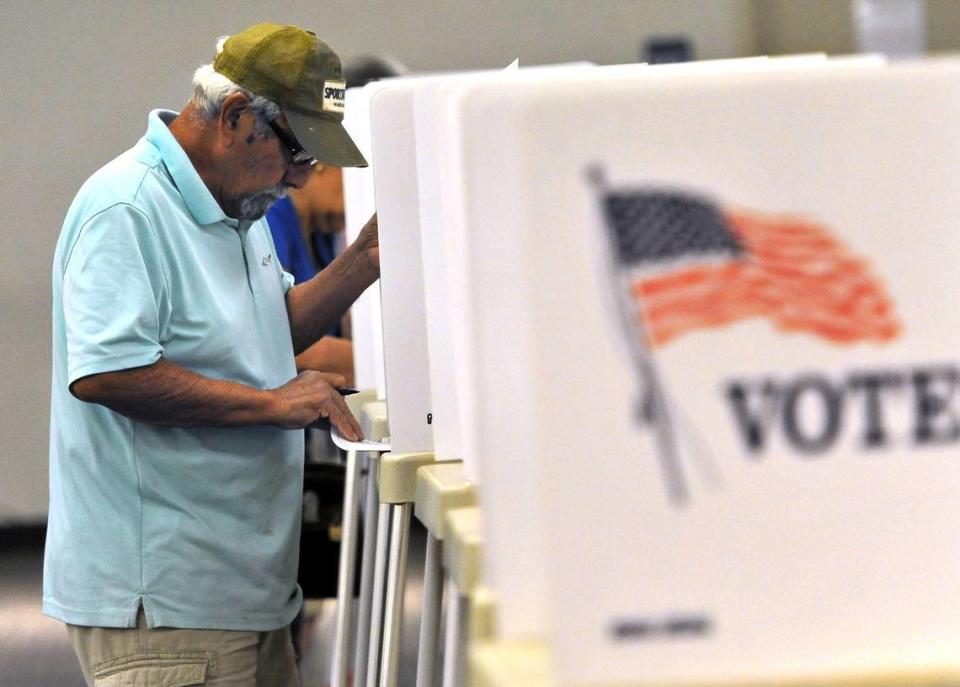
211,88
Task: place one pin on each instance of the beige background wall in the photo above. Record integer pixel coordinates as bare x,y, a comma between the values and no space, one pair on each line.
78,78
796,26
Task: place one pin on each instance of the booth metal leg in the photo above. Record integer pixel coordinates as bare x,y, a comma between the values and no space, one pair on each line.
430,620
455,646
347,571
396,585
367,563
377,601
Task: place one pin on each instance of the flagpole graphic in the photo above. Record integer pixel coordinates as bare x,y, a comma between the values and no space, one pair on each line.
682,263
652,409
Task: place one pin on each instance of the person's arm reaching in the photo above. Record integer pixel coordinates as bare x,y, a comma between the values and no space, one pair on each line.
314,306
167,394
329,354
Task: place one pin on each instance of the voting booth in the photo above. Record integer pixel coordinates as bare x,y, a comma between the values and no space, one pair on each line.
359,205
401,268
520,578
711,320
688,328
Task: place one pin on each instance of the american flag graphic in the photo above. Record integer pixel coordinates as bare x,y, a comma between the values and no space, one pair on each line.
681,263
697,265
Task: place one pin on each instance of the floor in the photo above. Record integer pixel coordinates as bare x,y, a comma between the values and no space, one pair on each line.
35,651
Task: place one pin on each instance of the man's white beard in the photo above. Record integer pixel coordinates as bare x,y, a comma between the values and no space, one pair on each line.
255,205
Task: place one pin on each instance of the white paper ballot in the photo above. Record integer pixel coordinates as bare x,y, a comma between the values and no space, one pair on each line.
382,446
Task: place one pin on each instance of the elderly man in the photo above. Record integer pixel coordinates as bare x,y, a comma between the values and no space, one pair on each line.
175,481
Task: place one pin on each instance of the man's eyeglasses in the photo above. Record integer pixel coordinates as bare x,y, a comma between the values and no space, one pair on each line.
298,155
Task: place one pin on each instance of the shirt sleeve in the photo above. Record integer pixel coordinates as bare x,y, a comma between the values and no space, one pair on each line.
288,281
113,285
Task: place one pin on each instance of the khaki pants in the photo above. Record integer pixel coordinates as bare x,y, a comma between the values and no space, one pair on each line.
169,657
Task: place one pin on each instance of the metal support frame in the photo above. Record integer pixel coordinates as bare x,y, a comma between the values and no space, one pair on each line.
367,565
455,646
377,598
347,571
430,619
396,586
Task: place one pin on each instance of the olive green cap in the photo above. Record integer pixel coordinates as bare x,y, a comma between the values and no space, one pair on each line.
301,74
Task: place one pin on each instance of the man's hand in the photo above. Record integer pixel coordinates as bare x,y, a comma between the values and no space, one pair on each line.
334,379
309,397
368,241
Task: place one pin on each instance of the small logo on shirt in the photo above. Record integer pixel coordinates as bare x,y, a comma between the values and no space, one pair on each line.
267,260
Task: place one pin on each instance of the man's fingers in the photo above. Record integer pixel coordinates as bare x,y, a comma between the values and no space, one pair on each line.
334,379
313,397
344,421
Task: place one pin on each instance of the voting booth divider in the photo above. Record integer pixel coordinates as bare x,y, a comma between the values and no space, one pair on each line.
359,205
668,360
383,115
493,393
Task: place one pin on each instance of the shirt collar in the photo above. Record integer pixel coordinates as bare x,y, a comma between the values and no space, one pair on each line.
195,194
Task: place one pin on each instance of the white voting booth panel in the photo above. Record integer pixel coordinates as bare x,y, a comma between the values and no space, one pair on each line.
359,205
401,269
499,461
422,403
756,479
441,338
403,301
437,175
441,219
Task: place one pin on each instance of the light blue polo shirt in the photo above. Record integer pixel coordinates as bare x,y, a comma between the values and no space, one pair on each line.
200,525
